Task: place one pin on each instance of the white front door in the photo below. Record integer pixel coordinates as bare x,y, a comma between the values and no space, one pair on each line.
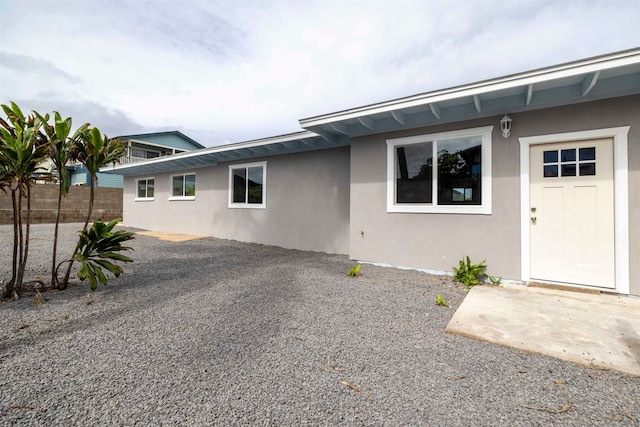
571,210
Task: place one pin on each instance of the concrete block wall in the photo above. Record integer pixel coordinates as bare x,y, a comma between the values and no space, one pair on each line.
44,202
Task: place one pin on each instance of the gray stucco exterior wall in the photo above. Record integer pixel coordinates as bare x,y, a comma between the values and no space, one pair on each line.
307,204
438,241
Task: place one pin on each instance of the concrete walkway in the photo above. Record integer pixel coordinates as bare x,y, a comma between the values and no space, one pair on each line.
169,237
588,328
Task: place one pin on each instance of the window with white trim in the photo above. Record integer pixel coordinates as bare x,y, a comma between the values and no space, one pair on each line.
183,187
448,172
144,189
247,185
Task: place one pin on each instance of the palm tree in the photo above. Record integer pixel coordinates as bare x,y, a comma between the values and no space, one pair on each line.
59,151
21,150
94,151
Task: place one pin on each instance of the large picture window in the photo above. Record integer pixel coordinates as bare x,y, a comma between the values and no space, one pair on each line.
144,189
247,185
183,187
441,173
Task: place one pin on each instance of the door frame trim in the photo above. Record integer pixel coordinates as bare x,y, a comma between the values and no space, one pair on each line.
620,136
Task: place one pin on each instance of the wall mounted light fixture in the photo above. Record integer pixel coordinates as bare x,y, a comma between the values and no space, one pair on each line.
505,125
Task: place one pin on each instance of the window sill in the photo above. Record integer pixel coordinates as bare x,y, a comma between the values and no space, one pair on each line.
175,198
466,210
143,199
247,206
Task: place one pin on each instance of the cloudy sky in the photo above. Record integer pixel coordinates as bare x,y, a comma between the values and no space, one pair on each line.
230,71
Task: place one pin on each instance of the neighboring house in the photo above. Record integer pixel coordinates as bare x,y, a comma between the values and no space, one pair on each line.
138,148
538,173
142,147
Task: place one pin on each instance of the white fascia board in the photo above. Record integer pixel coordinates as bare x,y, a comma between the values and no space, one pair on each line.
516,80
221,149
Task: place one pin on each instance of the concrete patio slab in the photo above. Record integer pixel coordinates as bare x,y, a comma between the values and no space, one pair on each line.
169,237
594,329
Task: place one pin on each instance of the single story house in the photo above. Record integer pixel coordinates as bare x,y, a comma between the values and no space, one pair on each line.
538,173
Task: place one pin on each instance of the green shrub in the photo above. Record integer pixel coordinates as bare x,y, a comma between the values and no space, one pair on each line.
441,302
495,280
355,271
97,247
469,274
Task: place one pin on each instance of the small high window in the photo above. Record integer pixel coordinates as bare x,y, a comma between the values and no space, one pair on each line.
247,185
183,187
144,189
568,164
447,172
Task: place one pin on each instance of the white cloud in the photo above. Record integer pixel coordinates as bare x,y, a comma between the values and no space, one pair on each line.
231,71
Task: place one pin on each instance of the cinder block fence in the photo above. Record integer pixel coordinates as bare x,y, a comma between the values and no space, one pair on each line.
44,203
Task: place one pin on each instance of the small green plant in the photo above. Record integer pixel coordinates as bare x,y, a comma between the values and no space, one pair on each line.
355,271
441,302
495,280
97,247
469,274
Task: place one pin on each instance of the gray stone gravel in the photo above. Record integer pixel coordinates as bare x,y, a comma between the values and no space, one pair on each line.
216,332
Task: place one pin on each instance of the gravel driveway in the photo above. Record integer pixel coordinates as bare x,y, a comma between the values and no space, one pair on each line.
216,332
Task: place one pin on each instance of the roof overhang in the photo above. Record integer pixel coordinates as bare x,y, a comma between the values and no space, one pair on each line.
258,148
153,134
592,79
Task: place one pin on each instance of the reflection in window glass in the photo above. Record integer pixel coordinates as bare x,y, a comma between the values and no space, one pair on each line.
587,169
142,188
550,171
183,186
255,185
239,185
150,186
568,170
568,155
190,185
247,186
551,156
460,171
414,173
178,186
588,153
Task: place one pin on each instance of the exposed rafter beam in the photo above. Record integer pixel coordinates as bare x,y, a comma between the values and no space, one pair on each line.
339,127
366,122
274,147
181,162
398,116
589,82
529,94
478,103
291,144
435,109
328,136
203,161
309,142
258,150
